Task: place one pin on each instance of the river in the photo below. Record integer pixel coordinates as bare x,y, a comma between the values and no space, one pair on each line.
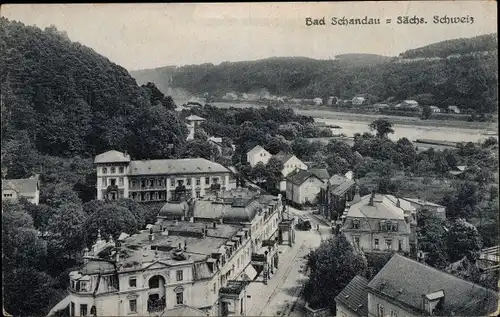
359,124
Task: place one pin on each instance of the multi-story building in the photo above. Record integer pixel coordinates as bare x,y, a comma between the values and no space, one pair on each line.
197,258
257,155
405,287
155,180
27,188
352,301
290,164
375,223
303,187
193,122
336,196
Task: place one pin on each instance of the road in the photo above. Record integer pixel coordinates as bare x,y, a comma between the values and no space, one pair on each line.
281,294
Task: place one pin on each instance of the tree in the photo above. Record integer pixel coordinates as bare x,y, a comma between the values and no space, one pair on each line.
66,230
333,265
382,126
157,97
200,148
426,112
431,239
274,168
463,200
55,195
463,239
200,134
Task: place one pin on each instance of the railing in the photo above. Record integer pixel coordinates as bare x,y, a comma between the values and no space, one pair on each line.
156,307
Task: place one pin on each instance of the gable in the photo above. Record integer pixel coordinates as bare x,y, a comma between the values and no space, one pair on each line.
293,160
312,181
156,266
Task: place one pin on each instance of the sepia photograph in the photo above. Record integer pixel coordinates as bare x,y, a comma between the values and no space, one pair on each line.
291,159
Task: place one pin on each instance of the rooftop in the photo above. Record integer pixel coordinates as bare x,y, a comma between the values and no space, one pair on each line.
256,149
322,173
382,208
184,311
355,295
112,157
406,281
300,176
344,187
22,186
195,118
421,202
337,179
283,157
176,166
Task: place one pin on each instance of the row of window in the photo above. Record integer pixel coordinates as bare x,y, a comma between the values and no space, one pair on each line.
155,183
388,243
112,170
84,311
383,225
380,311
179,300
154,282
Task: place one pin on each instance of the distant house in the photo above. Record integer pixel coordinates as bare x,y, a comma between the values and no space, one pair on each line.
352,301
410,104
258,154
457,170
303,186
332,100
193,122
358,101
375,223
335,197
435,109
322,173
290,164
419,204
230,96
405,287
318,101
454,109
27,188
379,106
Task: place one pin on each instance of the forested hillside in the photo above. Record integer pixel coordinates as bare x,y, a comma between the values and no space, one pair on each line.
469,80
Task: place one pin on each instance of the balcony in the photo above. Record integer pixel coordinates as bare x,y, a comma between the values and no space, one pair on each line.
156,307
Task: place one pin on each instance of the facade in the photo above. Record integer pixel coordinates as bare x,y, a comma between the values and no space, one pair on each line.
454,109
258,154
435,109
195,260
358,101
336,197
409,104
290,164
27,188
376,224
303,187
352,301
155,180
405,287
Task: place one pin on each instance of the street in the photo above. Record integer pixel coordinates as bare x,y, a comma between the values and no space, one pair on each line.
280,296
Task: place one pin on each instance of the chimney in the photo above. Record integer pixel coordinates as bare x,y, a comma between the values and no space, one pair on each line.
85,255
398,203
215,224
180,246
185,245
371,198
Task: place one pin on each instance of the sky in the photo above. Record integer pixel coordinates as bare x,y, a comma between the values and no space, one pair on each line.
140,36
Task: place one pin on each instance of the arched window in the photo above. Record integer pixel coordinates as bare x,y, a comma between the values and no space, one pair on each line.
156,281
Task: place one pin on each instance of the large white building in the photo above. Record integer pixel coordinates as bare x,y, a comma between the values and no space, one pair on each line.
258,154
198,257
155,180
376,223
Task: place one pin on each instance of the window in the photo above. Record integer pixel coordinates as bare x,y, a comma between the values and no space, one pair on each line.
380,309
121,169
120,181
376,243
7,195
160,182
83,286
151,183
179,274
143,183
388,243
188,181
400,245
180,182
172,182
241,305
113,170
198,181
394,314
132,305
105,170
113,182
215,180
355,224
179,298
215,287
356,241
132,282
72,309
207,180
83,310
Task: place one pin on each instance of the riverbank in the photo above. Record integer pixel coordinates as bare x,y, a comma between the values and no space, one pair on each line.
369,117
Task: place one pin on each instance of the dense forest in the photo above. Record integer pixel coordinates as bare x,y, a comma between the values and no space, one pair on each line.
469,80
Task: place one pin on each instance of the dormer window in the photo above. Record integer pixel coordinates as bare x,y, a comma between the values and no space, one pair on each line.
104,170
113,170
433,301
121,169
355,224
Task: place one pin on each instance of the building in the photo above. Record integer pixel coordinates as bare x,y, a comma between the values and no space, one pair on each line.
435,109
318,101
303,187
376,224
155,180
290,164
352,301
419,204
258,154
379,106
27,188
454,109
335,197
409,104
489,258
358,101
193,122
405,287
322,173
194,261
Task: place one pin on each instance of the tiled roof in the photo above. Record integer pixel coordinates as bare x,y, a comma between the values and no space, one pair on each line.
300,177
112,157
404,204
24,186
382,208
322,173
344,187
355,295
405,280
283,157
201,271
178,166
195,118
